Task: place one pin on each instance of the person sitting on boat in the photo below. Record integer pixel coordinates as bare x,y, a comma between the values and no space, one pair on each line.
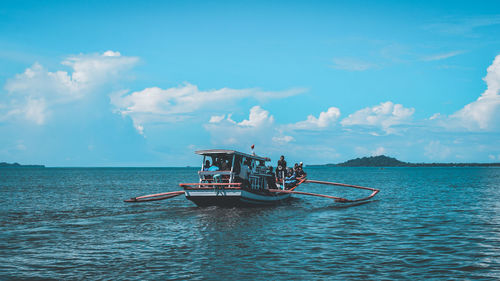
206,166
214,167
224,166
300,173
290,178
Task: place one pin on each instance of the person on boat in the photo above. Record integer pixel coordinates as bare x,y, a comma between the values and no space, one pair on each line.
214,166
281,167
300,172
224,166
244,170
270,179
206,166
290,178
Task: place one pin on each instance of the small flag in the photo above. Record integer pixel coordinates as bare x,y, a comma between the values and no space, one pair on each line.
253,145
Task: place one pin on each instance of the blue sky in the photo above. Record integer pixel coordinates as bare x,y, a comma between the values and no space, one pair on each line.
145,83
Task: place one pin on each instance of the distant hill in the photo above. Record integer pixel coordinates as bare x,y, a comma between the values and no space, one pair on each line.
374,161
17,165
385,161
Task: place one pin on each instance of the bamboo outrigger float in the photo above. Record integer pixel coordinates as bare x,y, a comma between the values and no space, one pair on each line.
239,179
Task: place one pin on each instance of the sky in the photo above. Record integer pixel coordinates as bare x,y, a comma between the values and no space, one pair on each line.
146,83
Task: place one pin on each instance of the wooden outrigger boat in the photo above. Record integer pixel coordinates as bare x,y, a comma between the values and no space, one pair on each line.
238,179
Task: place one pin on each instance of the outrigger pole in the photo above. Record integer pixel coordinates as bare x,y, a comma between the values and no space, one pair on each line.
154,197
337,199
168,195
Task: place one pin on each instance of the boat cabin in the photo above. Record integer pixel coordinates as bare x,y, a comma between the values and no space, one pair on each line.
230,166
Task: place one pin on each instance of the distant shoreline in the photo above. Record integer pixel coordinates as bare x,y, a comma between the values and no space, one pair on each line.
17,165
415,165
385,161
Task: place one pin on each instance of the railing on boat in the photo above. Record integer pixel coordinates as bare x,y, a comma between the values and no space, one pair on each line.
211,185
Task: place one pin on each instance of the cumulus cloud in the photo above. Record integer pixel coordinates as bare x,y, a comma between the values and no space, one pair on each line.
217,118
258,117
385,116
258,128
325,119
35,92
177,103
484,113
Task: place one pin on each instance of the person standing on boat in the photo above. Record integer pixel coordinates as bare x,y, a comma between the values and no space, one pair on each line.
281,167
244,170
271,180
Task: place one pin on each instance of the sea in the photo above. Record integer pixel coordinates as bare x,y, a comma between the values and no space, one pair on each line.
427,223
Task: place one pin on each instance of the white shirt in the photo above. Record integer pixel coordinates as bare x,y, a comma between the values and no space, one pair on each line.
244,171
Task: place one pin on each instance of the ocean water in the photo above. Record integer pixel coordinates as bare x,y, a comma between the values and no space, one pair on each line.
426,223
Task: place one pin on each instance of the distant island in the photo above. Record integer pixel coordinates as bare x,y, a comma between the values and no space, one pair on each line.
385,161
17,165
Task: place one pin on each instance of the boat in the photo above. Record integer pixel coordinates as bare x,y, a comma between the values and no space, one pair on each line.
231,178
244,180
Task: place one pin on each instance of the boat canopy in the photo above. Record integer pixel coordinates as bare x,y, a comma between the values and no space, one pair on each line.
213,152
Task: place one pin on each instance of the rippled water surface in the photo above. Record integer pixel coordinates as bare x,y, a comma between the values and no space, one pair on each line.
71,223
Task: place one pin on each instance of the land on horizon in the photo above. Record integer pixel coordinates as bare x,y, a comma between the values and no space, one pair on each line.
17,165
386,161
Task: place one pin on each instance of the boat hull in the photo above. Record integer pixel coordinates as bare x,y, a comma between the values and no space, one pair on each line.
234,197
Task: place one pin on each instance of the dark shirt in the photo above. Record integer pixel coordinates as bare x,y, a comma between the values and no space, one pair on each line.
300,172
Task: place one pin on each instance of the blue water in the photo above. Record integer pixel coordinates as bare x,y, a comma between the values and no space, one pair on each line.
426,223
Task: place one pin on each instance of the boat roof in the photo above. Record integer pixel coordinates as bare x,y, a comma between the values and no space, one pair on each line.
230,152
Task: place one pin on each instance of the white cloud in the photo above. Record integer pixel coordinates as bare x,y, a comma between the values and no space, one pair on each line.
435,116
217,118
385,115
177,103
351,64
111,54
21,147
257,118
283,139
484,113
258,128
436,150
442,56
379,151
325,119
33,93
35,110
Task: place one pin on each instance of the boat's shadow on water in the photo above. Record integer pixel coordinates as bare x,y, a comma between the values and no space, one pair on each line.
292,203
